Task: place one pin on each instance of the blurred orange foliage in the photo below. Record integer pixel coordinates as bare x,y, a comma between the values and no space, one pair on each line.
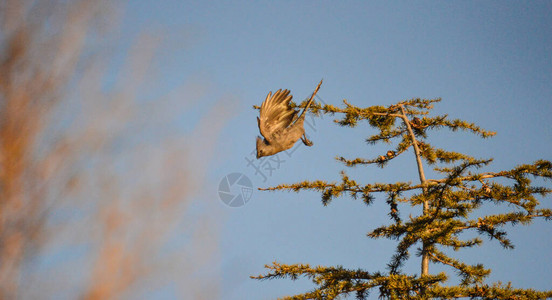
96,168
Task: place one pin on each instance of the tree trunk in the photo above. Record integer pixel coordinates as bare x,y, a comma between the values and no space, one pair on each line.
425,257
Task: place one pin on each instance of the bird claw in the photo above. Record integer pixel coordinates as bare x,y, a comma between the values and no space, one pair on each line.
306,141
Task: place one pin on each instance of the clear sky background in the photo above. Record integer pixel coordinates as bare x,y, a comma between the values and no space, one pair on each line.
490,62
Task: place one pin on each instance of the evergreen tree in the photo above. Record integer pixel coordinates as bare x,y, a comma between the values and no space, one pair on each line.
447,208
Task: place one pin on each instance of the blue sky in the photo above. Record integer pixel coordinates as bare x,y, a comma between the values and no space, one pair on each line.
490,62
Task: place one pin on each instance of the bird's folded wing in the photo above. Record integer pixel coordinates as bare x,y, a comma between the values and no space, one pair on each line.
275,114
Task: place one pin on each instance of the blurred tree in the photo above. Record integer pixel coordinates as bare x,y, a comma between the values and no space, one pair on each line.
36,62
448,205
91,181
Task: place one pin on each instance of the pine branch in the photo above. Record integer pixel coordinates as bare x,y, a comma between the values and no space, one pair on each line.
492,192
495,291
338,281
470,275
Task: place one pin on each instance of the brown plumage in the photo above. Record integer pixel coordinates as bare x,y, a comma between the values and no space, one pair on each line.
279,124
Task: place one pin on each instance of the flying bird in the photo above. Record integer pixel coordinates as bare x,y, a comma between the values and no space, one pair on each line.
280,124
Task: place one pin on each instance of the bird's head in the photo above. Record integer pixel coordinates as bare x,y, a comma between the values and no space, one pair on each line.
262,148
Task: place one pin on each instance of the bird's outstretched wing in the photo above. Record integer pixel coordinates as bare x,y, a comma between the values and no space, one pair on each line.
276,114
